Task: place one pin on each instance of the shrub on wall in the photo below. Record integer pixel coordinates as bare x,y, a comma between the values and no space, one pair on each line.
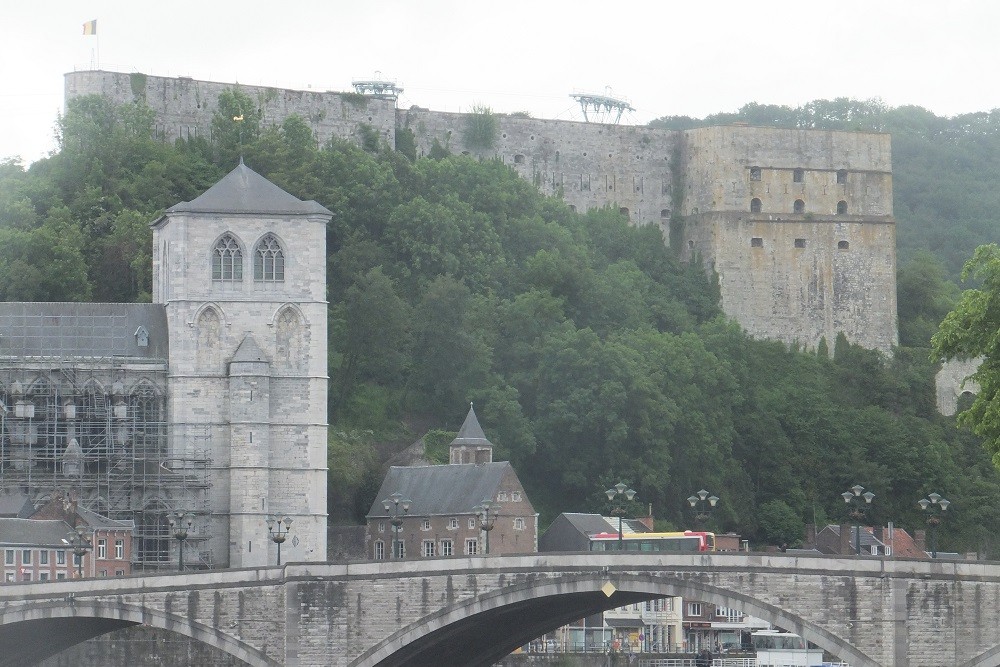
481,128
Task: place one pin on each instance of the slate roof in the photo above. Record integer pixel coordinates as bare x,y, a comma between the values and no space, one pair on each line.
591,524
31,329
244,191
249,350
471,433
33,532
441,489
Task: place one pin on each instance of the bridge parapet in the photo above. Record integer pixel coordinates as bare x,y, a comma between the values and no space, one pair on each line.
474,610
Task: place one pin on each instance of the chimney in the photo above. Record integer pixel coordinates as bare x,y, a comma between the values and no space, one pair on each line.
647,520
810,540
920,539
844,547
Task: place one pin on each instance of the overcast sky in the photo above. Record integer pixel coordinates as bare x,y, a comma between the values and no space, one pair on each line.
666,57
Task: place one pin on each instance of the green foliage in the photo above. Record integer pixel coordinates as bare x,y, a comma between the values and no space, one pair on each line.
137,80
969,332
406,143
236,123
356,100
780,524
481,127
370,139
436,446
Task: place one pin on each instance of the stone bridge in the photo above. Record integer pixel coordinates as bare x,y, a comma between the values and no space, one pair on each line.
475,610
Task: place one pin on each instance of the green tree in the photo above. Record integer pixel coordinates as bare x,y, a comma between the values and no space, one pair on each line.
969,332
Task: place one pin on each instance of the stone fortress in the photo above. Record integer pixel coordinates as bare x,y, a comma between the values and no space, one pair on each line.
798,224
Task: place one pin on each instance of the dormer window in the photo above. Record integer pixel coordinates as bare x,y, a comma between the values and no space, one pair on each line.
227,260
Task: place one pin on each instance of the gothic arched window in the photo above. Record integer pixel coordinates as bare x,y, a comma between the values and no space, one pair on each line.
227,259
268,261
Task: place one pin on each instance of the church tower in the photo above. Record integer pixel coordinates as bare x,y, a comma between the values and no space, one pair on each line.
241,272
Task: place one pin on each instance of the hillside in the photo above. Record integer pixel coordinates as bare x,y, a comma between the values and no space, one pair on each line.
591,353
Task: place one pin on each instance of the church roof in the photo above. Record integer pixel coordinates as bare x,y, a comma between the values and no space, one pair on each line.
29,329
471,433
244,191
441,489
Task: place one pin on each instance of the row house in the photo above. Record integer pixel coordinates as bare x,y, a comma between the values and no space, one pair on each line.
39,548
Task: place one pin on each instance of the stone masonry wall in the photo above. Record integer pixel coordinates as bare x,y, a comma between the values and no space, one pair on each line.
704,173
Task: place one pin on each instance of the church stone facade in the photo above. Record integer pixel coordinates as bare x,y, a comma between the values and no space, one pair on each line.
211,400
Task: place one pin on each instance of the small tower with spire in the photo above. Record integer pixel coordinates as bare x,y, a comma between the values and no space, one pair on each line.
470,445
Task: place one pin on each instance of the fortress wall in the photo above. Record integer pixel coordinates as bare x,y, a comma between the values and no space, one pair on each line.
718,163
799,279
591,165
184,107
775,291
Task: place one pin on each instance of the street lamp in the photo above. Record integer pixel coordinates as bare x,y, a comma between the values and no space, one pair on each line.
856,510
274,529
703,503
79,541
180,524
936,505
392,505
619,489
487,511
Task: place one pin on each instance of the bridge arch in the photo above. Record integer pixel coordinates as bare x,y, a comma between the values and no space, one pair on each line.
533,603
85,619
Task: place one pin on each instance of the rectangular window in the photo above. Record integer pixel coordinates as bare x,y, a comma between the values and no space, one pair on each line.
425,524
26,576
515,497
694,609
43,576
471,546
26,557
798,175
119,549
453,523
399,549
119,573
102,573
381,526
9,577
379,550
60,557
800,243
427,548
447,548
472,523
8,557
756,242
77,559
43,557
754,173
518,523
102,548
60,575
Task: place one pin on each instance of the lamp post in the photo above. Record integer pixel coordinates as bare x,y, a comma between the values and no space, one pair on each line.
392,505
180,524
274,529
703,503
79,541
856,510
487,511
936,505
619,489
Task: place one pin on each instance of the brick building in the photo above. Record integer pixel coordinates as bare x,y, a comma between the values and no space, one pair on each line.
439,506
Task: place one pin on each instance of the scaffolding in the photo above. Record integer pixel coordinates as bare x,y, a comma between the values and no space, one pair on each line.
96,427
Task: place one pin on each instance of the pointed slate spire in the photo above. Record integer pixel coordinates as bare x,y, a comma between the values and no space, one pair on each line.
471,445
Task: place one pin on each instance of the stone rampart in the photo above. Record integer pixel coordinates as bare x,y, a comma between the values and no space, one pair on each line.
714,190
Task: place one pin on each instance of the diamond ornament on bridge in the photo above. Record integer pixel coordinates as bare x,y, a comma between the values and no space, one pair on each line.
608,589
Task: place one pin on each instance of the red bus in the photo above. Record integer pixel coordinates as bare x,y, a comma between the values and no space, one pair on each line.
689,540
